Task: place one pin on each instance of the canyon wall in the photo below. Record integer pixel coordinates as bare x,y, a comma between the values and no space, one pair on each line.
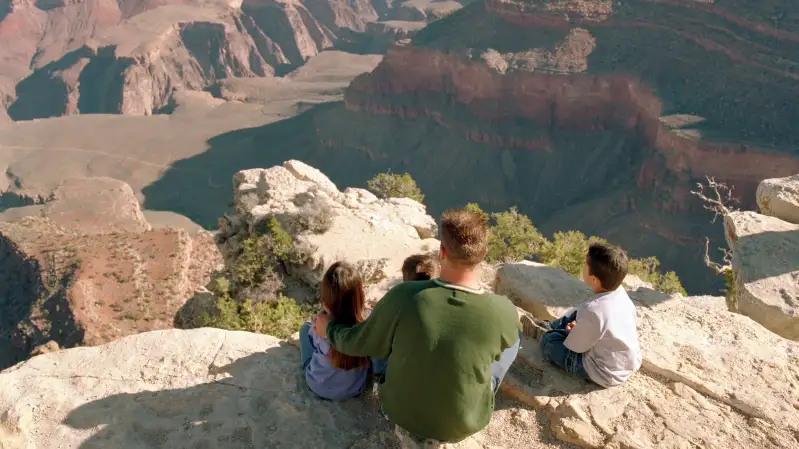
130,57
603,112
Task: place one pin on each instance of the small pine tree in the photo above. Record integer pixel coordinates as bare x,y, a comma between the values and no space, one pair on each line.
669,283
389,185
647,270
512,237
567,251
260,255
474,207
279,318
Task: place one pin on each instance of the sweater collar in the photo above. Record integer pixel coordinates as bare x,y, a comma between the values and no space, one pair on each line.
462,288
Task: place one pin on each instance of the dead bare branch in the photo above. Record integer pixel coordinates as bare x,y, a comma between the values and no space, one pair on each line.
718,199
719,268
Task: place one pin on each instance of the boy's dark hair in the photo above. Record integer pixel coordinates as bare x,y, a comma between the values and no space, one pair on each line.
419,267
608,263
464,236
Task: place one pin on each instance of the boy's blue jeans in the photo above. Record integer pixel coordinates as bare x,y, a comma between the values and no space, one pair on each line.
555,351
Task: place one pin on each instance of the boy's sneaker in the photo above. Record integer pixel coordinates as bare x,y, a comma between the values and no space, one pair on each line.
533,327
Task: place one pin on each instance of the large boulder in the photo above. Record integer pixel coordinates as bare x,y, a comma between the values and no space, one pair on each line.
710,378
201,388
779,197
765,266
328,225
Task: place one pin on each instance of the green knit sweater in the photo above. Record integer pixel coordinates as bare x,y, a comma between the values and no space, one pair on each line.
440,340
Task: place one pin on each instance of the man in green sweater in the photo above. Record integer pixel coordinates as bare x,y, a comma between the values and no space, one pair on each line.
448,342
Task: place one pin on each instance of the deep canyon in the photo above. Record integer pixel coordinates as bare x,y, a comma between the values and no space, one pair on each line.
599,116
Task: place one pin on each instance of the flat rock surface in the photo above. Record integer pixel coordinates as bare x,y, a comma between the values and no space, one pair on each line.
166,219
725,357
766,267
648,411
203,388
96,206
779,197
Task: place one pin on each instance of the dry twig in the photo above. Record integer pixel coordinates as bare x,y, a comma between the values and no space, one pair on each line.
719,268
718,199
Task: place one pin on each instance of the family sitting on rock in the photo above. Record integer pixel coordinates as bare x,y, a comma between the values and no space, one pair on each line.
440,345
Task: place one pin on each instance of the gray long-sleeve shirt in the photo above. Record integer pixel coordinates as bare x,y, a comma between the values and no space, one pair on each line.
605,333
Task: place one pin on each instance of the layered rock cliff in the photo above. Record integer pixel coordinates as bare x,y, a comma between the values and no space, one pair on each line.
129,57
589,114
86,268
135,66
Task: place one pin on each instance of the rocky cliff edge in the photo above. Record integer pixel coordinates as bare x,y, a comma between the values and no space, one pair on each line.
711,378
765,257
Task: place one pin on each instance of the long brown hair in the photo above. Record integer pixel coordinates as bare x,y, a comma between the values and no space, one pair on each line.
343,296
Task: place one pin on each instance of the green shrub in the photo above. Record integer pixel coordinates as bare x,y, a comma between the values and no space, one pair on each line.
669,283
221,286
251,300
512,237
647,270
474,207
282,240
279,318
255,262
260,255
567,251
389,185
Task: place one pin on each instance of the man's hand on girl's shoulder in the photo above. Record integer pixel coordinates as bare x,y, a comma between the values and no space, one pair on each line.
320,323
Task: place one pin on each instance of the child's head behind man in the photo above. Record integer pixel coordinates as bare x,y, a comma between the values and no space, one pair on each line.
419,267
605,267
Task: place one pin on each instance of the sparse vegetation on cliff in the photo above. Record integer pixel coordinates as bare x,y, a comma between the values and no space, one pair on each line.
390,185
280,317
647,270
252,300
512,237
316,218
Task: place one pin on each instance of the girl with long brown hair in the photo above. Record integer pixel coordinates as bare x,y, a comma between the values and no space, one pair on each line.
329,373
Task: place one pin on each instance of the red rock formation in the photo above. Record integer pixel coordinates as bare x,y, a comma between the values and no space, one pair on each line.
87,269
61,57
616,101
588,89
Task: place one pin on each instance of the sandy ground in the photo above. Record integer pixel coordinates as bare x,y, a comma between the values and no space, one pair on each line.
516,426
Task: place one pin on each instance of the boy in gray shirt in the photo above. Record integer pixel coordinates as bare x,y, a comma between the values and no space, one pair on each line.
598,341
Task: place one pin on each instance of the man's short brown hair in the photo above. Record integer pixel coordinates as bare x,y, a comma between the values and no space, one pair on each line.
608,263
419,267
464,236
